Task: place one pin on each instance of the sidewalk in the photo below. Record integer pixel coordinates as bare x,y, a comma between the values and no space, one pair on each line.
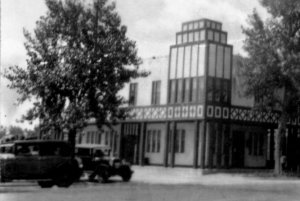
162,175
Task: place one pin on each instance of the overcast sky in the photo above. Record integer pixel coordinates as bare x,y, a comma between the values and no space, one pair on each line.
151,23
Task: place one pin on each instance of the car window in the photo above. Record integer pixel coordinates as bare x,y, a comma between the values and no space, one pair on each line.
55,150
6,149
82,152
27,150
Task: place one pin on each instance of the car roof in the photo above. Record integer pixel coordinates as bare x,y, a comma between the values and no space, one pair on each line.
40,142
92,146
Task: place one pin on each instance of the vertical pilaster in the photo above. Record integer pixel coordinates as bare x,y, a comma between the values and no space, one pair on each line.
167,138
142,143
207,145
196,144
173,138
203,143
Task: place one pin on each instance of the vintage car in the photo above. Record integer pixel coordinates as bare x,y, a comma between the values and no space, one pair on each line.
48,162
98,162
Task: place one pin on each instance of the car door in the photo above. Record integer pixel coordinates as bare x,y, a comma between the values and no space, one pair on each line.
51,158
26,161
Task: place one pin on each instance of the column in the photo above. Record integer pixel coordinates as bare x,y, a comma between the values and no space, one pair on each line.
166,151
196,144
142,143
173,138
202,143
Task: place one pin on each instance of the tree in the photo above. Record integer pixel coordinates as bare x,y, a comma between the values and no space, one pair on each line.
272,69
79,58
16,131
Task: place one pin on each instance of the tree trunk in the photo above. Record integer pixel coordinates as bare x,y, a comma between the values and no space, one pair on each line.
278,144
71,138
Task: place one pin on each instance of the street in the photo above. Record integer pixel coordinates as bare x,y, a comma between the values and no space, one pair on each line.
134,190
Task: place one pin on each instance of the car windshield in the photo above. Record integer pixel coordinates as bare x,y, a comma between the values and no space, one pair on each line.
42,149
6,149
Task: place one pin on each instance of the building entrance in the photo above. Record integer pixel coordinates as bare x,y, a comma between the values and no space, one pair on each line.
130,143
238,148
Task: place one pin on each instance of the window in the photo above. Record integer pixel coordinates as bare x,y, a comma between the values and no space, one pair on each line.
99,138
212,60
186,93
88,137
210,88
201,89
223,38
179,141
155,100
191,37
210,35
172,91
132,93
202,35
217,36
184,39
179,91
218,90
153,141
196,35
193,93
225,92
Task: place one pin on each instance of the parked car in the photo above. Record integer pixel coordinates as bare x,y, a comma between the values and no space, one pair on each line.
48,162
100,165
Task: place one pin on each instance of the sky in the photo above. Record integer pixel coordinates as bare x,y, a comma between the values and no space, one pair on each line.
152,24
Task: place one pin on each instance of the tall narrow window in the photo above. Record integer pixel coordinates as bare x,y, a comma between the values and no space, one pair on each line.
99,137
155,99
186,90
193,92
172,91
218,90
225,91
132,93
180,141
179,91
201,89
210,88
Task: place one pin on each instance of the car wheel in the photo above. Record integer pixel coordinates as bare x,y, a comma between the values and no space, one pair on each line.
66,175
102,175
45,184
125,173
64,180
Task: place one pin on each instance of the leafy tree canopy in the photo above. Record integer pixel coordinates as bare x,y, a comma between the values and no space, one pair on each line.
79,57
272,70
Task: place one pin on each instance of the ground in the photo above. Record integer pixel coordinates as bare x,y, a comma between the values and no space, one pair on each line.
157,184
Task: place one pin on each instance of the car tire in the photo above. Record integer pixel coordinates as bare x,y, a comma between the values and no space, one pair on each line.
45,184
66,175
125,173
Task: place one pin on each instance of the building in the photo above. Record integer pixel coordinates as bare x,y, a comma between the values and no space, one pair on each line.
190,111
